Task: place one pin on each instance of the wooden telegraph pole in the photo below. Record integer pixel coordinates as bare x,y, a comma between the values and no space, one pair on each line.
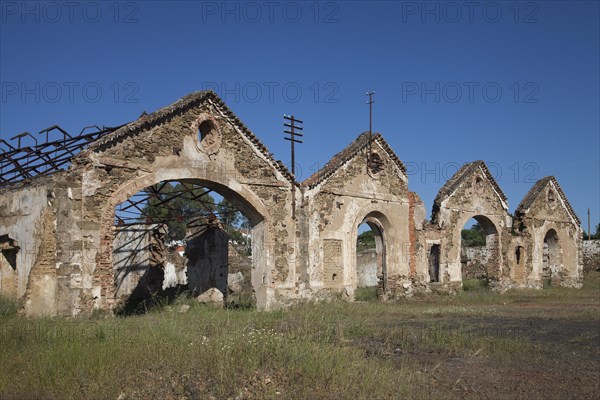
294,131
370,103
589,226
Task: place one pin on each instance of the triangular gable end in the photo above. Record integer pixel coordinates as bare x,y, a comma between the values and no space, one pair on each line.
462,175
148,121
537,190
349,153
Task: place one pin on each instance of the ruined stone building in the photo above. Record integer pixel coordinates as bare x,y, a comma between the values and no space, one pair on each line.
62,253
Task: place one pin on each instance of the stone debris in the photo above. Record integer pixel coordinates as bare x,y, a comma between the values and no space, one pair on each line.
183,308
211,296
234,282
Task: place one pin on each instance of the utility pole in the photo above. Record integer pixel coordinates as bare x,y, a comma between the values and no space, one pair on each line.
370,103
589,226
294,131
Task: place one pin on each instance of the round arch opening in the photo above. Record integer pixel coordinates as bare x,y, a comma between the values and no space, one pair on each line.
184,237
550,257
479,253
371,270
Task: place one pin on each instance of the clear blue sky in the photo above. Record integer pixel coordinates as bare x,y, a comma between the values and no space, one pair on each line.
436,68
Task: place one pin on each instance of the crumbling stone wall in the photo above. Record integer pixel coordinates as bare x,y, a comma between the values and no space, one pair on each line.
161,146
340,197
591,255
471,193
545,211
234,168
474,261
145,266
21,226
239,285
57,232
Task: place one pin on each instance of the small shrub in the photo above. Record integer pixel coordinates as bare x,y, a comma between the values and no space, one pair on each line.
475,285
8,307
547,283
366,294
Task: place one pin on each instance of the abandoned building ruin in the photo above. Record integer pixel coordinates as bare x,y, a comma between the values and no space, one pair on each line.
66,251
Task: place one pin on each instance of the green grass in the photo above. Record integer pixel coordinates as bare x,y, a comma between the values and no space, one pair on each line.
297,351
366,294
8,307
475,285
325,350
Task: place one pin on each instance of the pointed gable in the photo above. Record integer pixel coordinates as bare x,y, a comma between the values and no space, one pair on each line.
461,176
147,121
538,190
346,155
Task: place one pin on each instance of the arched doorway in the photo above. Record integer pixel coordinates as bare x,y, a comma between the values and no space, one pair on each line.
371,271
479,253
550,257
184,237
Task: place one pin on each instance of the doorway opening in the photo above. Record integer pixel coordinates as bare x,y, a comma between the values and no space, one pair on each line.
370,261
479,253
184,239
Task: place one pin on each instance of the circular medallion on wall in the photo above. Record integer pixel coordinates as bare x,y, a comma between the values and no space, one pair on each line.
208,134
552,198
374,164
478,183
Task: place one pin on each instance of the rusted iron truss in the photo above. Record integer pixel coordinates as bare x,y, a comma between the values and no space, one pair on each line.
164,202
53,150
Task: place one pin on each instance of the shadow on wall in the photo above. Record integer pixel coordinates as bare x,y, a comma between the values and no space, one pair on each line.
138,254
150,275
8,266
208,258
149,294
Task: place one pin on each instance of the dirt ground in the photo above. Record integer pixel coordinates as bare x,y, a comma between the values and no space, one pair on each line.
562,363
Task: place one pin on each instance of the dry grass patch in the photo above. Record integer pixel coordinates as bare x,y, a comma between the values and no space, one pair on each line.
336,350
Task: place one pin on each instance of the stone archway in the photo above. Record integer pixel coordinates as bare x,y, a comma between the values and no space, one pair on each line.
482,262
379,225
551,260
244,200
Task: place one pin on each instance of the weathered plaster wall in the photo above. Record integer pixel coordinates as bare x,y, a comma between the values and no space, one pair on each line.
366,268
144,266
137,249
547,211
338,205
22,220
474,197
234,168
